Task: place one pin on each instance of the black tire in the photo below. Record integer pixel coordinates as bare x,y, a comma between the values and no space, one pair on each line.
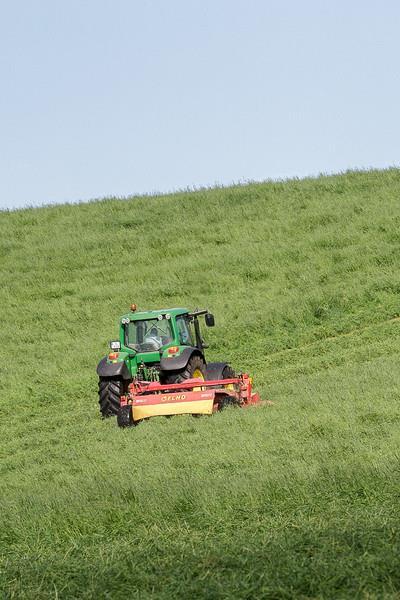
219,370
194,363
224,400
110,392
228,373
124,416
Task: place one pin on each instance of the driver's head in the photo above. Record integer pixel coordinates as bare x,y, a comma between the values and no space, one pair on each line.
153,332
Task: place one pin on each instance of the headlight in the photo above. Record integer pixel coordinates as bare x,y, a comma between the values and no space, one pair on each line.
115,345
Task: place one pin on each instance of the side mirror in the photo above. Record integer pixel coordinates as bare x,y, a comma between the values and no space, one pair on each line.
209,319
115,345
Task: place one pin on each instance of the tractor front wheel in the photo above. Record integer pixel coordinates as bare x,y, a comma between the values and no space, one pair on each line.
110,392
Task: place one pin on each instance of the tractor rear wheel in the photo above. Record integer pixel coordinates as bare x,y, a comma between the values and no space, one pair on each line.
196,367
110,392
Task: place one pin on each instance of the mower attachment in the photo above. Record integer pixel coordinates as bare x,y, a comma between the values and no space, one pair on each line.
193,396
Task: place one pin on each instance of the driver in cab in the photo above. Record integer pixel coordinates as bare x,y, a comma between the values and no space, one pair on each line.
153,337
157,337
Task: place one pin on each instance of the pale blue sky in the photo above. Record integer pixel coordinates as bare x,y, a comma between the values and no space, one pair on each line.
102,97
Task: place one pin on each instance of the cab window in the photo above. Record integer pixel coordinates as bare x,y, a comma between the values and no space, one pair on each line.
185,332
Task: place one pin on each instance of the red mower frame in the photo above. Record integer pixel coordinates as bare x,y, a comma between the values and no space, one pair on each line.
236,390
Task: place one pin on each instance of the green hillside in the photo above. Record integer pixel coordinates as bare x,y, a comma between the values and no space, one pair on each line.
295,500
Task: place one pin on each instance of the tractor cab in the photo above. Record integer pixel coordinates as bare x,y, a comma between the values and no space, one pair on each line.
156,331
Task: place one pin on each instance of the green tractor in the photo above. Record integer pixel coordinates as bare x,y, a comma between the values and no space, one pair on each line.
157,345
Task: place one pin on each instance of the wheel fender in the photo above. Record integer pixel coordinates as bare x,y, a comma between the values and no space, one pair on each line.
215,370
176,363
118,369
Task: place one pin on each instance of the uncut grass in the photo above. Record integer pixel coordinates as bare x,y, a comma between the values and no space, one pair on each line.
298,499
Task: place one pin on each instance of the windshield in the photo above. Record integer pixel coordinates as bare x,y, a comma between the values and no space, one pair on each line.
148,335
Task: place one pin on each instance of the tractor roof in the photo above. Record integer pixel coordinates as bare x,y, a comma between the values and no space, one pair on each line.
152,314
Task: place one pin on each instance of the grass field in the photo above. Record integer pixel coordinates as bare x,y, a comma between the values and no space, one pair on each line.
295,500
